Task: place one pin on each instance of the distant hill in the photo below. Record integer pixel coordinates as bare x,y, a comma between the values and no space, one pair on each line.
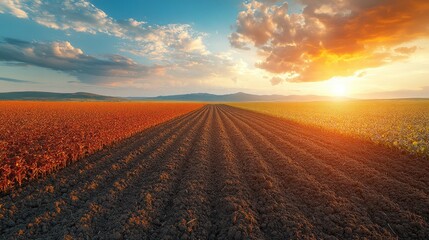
192,97
236,97
79,96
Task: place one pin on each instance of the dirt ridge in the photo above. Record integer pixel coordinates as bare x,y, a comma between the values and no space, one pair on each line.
224,173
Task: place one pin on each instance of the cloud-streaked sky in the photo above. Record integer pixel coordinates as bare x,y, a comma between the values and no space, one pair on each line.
361,48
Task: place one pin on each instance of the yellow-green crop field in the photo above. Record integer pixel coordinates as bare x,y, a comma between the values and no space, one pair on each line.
403,124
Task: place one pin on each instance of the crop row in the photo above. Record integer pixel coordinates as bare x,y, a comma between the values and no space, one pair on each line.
37,138
402,124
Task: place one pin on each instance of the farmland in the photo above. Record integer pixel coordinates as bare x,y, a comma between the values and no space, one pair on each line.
37,138
401,124
225,173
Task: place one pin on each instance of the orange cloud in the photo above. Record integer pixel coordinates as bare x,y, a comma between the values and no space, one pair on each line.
331,37
406,50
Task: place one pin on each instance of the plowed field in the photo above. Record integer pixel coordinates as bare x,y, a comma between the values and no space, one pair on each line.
225,173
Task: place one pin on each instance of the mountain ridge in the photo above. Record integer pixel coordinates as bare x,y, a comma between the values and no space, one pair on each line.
191,97
236,97
40,95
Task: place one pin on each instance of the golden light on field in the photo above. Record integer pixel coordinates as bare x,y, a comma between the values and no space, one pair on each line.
407,130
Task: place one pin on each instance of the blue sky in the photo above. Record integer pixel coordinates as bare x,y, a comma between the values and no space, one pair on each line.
210,16
148,48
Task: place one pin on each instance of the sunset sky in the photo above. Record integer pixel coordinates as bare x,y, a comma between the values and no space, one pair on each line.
355,48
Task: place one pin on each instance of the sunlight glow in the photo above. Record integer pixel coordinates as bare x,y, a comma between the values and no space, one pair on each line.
338,87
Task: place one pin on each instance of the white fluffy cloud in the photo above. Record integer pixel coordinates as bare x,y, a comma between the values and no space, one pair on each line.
83,16
14,7
176,49
160,43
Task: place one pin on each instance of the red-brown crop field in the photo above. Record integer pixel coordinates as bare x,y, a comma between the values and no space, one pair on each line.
222,172
37,138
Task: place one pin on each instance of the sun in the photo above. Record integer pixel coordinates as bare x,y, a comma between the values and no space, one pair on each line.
338,88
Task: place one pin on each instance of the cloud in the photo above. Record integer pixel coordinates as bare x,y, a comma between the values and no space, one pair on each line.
14,7
330,37
83,16
239,41
276,81
406,50
64,57
171,39
361,74
197,66
177,51
14,80
183,68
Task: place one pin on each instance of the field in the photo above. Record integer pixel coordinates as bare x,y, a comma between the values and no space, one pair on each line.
401,124
226,173
37,138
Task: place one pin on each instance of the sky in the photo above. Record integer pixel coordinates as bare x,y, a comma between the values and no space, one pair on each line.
353,48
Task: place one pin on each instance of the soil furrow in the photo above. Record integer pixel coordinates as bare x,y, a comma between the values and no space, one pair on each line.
148,183
226,173
237,218
411,198
279,217
46,210
314,200
390,162
109,156
340,185
186,216
153,188
230,211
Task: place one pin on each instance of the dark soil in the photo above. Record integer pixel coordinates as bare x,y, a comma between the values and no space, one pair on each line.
225,173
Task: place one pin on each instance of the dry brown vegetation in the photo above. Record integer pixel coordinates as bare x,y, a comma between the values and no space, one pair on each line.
37,138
